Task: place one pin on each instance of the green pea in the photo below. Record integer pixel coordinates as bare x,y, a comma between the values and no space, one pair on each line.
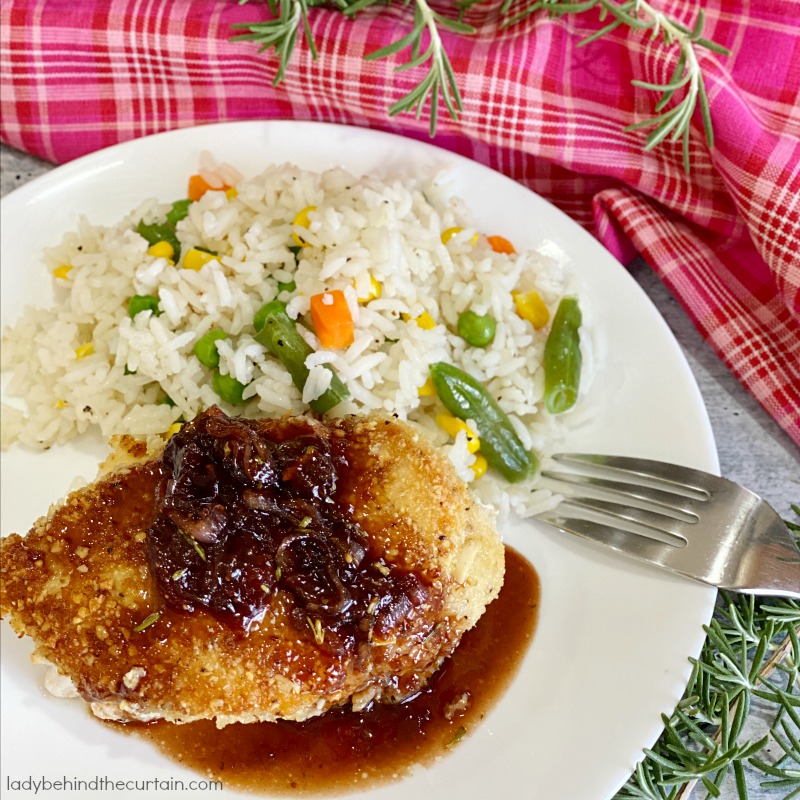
228,388
142,302
477,330
206,348
287,287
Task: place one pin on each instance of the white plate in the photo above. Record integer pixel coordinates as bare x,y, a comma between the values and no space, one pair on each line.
610,653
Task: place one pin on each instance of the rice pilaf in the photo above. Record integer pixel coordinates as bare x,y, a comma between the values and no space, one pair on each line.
405,257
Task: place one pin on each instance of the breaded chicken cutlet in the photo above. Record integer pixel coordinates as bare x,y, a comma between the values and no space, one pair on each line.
256,570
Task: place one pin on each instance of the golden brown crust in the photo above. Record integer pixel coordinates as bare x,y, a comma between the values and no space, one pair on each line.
79,585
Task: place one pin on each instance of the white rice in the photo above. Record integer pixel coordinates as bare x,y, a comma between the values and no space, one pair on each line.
363,229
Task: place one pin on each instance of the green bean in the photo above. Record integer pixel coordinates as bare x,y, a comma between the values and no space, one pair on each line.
261,315
477,330
228,388
279,334
155,232
206,348
142,302
179,211
562,358
466,398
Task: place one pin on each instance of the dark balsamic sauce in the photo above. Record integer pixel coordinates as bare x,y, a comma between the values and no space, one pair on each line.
344,751
244,508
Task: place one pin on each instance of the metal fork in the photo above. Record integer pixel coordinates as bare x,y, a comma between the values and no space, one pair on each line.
685,520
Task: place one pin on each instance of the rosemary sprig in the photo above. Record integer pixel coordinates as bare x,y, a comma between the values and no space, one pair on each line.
671,120
424,41
281,31
440,80
751,654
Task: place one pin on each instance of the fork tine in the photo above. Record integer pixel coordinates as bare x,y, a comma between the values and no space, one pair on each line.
722,534
676,506
634,520
683,480
627,542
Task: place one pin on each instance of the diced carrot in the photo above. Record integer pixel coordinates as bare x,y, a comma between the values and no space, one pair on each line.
332,319
500,244
198,186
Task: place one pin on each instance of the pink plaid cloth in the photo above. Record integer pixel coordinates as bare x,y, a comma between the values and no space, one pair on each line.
78,75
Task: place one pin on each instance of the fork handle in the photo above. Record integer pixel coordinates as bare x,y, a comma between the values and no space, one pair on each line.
782,580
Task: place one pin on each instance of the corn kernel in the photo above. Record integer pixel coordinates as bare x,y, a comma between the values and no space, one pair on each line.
62,271
479,466
161,250
196,259
449,233
375,289
173,429
532,308
424,320
453,426
302,220
231,192
84,350
427,389
60,404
